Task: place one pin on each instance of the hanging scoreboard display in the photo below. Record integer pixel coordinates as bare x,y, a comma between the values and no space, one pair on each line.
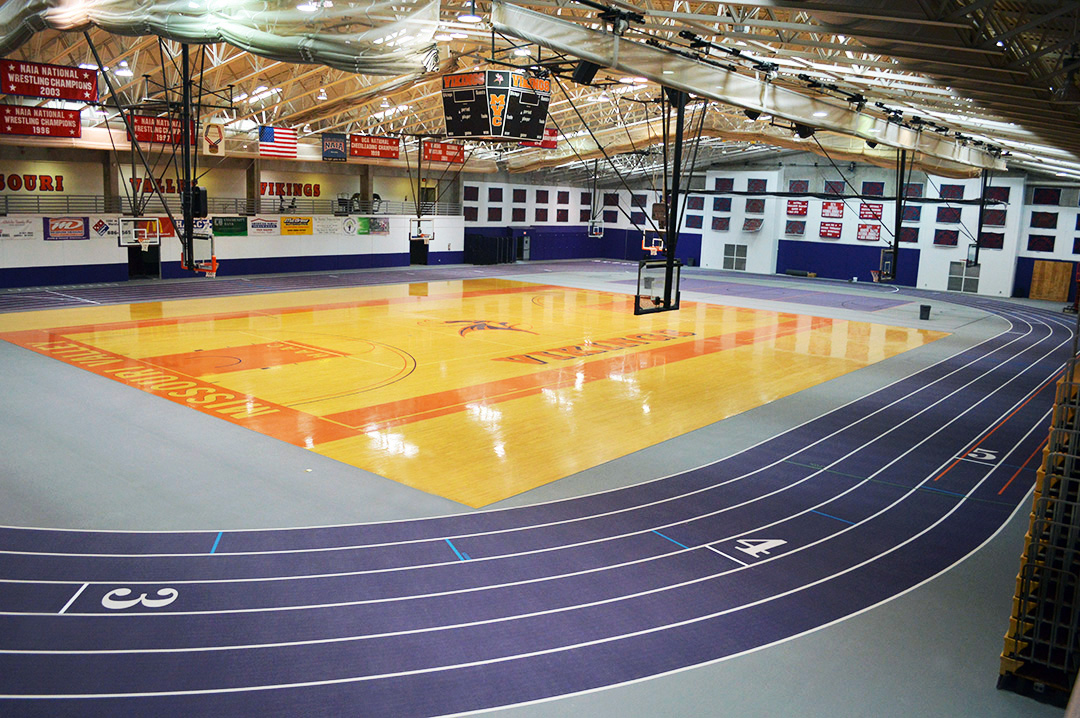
496,105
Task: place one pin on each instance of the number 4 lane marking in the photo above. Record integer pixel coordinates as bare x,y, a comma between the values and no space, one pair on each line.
758,547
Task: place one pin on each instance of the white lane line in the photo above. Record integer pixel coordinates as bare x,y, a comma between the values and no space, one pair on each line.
72,599
730,558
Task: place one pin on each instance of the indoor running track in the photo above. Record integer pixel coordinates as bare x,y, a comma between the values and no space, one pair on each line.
452,614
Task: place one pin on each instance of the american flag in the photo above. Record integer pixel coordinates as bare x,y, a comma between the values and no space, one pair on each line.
277,142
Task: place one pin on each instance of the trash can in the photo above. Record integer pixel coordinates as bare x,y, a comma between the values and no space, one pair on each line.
924,311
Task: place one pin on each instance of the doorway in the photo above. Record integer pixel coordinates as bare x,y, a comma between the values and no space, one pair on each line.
144,263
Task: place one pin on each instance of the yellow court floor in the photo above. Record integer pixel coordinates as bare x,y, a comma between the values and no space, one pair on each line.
474,390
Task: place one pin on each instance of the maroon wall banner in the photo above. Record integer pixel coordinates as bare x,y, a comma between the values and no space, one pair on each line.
444,152
373,146
159,130
832,209
831,230
58,228
869,232
39,121
871,210
797,207
58,82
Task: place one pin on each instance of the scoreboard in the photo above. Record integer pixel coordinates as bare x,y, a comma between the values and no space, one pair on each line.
496,105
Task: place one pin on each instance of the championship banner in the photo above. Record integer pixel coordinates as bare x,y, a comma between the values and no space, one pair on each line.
213,139
230,226
40,121
57,82
262,226
870,210
869,232
444,152
832,209
797,207
64,228
334,147
160,130
374,146
297,225
549,142
831,230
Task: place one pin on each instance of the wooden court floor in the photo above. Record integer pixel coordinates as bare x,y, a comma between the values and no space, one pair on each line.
474,390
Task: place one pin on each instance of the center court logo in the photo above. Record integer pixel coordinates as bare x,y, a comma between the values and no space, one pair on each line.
468,326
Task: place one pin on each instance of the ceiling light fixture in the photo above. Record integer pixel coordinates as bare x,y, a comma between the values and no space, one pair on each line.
470,16
123,70
322,94
385,103
443,37
522,52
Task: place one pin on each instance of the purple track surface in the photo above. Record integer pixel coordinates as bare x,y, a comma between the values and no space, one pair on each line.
459,613
773,293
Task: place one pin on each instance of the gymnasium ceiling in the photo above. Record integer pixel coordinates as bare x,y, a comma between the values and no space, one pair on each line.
1001,73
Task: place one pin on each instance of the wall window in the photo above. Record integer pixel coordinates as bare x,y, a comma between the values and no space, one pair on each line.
1044,220
724,184
799,186
585,215
611,199
637,218
757,185
721,204
471,193
494,214
951,191
638,200
755,206
471,214
963,278
735,256
695,202
912,212
541,196
948,215
693,221
562,215
563,197
873,189
992,240
994,217
494,194
611,216
586,198
518,214
1040,243
520,196
1046,195
946,237
541,214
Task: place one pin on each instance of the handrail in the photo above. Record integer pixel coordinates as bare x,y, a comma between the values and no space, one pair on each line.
100,204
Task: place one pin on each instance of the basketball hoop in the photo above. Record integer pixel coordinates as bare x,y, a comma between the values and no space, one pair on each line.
875,275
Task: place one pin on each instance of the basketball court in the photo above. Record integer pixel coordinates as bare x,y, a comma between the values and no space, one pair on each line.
473,390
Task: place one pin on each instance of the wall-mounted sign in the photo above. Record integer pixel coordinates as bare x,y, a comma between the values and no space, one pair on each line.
39,121
870,210
869,232
58,82
159,130
832,209
296,225
444,152
831,230
334,147
373,146
797,207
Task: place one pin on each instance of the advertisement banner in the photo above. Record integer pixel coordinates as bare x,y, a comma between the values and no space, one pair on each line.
62,228
334,147
869,232
328,225
159,130
831,230
374,146
264,226
105,227
165,227
797,207
201,225
39,121
57,82
832,209
296,225
18,228
870,210
379,225
444,152
363,225
230,226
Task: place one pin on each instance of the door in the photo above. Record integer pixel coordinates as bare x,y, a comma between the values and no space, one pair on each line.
1050,280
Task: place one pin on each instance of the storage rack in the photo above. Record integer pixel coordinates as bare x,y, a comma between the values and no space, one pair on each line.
1042,645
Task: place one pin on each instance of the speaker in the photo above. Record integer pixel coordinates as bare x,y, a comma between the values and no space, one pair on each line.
584,72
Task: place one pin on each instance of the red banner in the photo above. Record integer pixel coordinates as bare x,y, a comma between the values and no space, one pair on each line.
869,232
831,230
57,82
832,209
444,152
797,207
373,146
870,211
549,142
39,121
159,130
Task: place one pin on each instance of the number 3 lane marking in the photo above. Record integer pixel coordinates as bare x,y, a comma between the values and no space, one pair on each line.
167,596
